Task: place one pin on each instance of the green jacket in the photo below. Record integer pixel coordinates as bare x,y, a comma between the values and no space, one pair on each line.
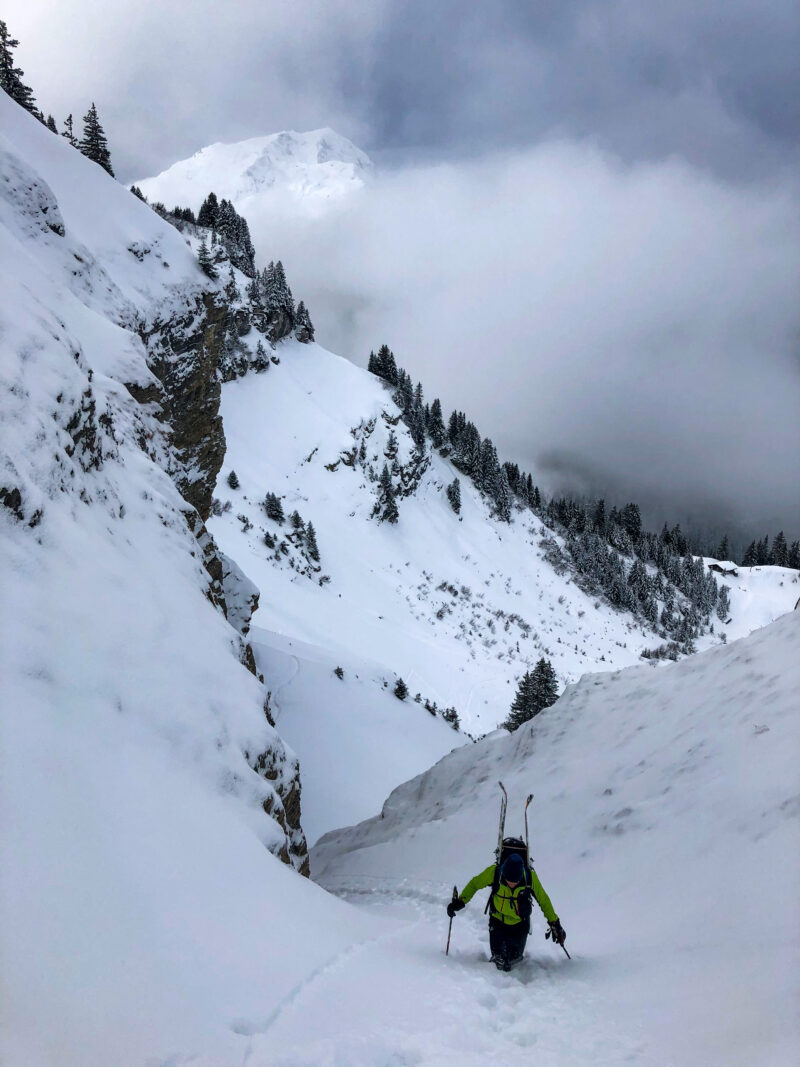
504,901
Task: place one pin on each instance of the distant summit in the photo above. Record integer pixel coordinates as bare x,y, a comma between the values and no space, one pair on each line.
305,170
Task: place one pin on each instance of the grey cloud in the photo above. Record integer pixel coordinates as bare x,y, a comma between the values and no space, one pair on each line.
614,325
716,83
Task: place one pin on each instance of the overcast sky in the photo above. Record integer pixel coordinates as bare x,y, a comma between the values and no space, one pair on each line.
586,225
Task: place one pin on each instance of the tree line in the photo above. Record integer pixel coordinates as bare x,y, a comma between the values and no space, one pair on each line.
93,144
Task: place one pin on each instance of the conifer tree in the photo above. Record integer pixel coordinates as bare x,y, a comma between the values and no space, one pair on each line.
454,495
537,690
93,143
51,124
400,689
231,289
436,428
723,603
209,210
387,505
205,261
794,556
233,480
520,705
723,549
296,520
68,132
780,550
10,75
311,543
274,508
749,558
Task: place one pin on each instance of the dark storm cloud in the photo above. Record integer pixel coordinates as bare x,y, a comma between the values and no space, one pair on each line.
717,83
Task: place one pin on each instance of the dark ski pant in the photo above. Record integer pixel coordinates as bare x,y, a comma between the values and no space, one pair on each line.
507,940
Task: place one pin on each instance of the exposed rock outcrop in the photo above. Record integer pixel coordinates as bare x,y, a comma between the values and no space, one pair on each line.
184,353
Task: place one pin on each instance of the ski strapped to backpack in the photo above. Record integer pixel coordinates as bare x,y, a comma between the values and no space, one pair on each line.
507,846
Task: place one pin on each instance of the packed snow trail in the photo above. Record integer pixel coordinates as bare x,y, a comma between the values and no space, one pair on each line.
665,827
397,1000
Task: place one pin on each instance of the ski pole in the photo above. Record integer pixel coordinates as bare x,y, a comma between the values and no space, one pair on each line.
450,927
559,943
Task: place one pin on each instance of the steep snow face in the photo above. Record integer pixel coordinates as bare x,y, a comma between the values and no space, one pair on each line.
299,172
459,606
138,888
666,827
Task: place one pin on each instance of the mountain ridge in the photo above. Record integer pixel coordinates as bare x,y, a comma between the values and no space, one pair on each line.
303,170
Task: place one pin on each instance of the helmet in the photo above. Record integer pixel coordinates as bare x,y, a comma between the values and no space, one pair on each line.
513,870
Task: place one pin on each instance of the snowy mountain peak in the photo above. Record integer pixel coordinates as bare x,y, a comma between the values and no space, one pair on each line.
310,168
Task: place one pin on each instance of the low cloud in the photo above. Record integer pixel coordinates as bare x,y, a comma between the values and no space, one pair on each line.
621,328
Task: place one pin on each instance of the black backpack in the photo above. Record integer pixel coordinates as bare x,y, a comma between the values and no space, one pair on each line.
510,846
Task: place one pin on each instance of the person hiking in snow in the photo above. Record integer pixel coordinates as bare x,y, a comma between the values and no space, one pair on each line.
513,884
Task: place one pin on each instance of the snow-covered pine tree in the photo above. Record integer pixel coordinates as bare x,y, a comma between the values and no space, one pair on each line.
11,75
304,325
209,210
544,689
51,125
780,550
436,427
296,521
385,365
274,508
501,495
454,495
93,144
723,603
231,289
311,543
520,710
205,260
391,448
261,359
386,507
233,480
400,689
749,557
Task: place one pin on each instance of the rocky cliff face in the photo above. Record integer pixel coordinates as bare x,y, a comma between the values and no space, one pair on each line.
114,340
184,353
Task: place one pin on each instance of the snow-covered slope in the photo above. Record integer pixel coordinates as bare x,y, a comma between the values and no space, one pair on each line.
141,908
666,828
459,606
297,172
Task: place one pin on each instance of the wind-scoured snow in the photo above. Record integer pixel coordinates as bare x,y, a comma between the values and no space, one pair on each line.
297,172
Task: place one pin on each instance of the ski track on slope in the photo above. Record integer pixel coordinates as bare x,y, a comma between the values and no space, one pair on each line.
441,1010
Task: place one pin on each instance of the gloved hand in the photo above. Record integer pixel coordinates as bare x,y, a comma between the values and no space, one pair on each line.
454,906
557,932
524,904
